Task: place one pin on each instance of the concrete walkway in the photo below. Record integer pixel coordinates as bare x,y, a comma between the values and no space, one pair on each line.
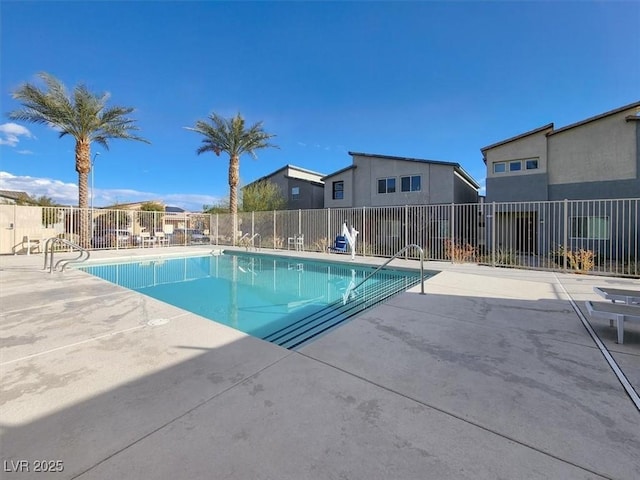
491,374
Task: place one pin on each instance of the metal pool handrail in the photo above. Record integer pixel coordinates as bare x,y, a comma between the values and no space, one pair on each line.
259,241
402,250
49,250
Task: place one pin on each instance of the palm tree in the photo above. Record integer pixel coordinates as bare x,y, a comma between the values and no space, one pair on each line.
83,116
231,136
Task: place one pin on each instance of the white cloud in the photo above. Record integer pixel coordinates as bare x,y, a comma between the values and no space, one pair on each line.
25,152
322,146
10,134
64,193
188,201
67,193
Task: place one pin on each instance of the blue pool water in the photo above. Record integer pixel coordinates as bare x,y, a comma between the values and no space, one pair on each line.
283,300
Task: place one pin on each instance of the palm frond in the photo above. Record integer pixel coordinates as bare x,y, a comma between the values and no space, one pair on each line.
231,136
82,115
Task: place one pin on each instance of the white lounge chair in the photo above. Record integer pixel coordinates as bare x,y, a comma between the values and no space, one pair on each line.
297,241
614,311
146,240
160,239
631,297
34,242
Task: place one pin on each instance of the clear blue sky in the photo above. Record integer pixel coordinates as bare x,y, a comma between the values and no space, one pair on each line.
431,80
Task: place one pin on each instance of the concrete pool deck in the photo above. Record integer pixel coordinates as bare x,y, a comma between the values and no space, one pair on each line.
491,374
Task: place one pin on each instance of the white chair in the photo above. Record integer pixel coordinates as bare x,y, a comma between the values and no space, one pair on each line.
297,241
33,243
161,239
145,239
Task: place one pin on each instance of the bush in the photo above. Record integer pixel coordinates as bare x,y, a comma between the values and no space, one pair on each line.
580,261
459,252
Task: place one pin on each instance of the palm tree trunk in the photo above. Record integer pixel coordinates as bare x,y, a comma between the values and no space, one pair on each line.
234,174
83,167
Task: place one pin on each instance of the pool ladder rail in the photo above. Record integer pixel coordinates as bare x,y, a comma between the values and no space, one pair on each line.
49,250
249,241
402,250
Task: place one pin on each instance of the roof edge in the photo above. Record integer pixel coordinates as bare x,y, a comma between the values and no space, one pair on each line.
597,117
285,167
337,172
518,137
407,159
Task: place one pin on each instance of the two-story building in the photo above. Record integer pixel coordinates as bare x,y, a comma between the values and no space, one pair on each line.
593,159
302,188
387,185
384,180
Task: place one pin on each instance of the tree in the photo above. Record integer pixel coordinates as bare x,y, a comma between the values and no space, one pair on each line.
261,196
50,216
152,207
222,207
231,136
83,116
41,201
116,217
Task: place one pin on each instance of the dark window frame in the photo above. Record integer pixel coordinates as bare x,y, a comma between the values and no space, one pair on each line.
386,185
411,185
337,190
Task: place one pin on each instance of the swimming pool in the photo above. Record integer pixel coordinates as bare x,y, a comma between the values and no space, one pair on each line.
283,300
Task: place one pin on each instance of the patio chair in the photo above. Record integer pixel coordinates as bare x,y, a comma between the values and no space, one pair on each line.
33,242
145,239
614,311
161,239
297,241
631,297
340,245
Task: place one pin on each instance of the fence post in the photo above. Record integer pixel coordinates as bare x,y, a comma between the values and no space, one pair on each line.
217,230
299,221
406,231
493,234
452,222
253,223
566,232
274,231
329,227
364,231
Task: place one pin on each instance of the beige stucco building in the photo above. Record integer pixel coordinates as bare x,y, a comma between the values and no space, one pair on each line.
596,158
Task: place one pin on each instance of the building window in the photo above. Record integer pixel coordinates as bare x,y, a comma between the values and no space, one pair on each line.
590,228
515,166
295,193
410,184
338,190
387,185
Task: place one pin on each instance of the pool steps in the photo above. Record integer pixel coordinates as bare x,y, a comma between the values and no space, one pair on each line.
304,330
